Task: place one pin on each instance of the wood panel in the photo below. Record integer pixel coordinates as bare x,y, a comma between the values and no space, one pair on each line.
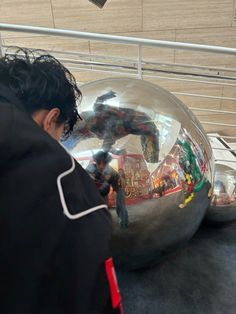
116,16
49,43
180,14
234,15
205,103
219,36
83,77
198,102
7,34
192,88
28,12
130,51
229,91
228,119
223,131
210,22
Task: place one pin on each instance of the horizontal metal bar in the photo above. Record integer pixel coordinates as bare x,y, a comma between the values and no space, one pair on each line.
180,65
225,160
101,71
193,66
133,66
213,110
147,71
117,39
188,80
221,124
222,136
228,149
133,61
204,96
80,55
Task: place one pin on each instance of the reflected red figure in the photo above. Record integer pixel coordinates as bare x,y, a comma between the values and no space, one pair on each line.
111,123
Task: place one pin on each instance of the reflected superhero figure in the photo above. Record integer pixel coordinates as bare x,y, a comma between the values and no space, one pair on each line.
110,123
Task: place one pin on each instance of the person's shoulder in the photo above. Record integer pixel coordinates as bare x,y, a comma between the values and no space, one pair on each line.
6,109
6,126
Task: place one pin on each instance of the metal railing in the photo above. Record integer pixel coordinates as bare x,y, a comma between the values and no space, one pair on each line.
116,39
197,74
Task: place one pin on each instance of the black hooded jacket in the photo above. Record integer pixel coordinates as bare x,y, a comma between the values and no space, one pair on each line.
50,263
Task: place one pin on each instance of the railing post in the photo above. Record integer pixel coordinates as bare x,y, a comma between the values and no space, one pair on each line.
140,72
1,47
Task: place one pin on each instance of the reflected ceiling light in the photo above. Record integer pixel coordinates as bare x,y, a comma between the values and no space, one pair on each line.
99,3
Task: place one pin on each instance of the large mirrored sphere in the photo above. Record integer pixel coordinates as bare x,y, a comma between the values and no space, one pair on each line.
223,204
153,153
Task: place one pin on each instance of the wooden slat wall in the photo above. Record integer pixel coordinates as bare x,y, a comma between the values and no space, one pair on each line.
30,12
210,22
185,14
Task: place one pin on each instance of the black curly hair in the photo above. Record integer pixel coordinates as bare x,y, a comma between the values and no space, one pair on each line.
102,156
40,81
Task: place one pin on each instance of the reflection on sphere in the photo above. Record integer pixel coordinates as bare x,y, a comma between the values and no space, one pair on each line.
160,168
223,203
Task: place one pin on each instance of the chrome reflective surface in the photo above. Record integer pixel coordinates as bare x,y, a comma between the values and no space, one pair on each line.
223,204
161,158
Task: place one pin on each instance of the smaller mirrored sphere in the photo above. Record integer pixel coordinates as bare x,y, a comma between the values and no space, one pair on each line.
223,204
150,160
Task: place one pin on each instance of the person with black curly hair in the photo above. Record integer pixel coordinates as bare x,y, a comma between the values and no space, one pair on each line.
105,177
55,229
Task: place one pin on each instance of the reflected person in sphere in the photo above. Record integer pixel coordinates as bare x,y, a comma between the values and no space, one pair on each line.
50,261
233,194
110,123
105,176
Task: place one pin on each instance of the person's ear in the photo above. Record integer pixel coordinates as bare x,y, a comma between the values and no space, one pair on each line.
50,120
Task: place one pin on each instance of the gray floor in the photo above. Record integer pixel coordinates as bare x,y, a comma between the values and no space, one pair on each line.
199,279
